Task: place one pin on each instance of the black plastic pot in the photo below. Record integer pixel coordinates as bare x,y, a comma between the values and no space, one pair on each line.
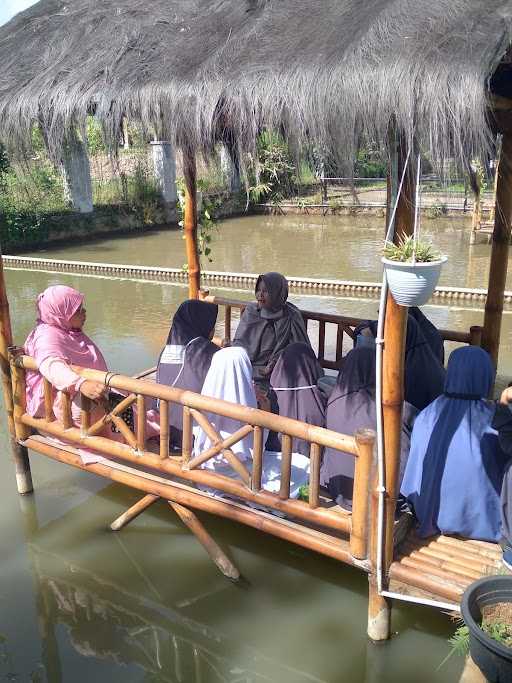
493,659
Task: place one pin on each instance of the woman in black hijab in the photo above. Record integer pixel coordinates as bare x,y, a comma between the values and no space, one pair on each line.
186,357
294,379
430,332
352,406
268,326
424,373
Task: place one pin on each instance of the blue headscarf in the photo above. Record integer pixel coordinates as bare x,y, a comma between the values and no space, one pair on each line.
455,469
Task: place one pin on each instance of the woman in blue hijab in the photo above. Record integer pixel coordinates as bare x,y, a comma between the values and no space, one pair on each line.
455,469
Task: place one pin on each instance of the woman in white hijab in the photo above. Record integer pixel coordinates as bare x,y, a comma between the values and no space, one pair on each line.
230,379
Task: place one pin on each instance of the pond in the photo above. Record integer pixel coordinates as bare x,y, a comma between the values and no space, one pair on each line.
78,602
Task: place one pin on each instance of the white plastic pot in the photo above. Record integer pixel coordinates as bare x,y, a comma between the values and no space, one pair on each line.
412,284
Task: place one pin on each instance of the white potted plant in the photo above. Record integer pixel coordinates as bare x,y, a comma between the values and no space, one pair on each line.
412,270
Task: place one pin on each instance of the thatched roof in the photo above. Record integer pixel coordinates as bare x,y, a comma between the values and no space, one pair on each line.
322,71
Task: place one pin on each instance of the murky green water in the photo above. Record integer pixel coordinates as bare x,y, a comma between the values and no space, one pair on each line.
79,603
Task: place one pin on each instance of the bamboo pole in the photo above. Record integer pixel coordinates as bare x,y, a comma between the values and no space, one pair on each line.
48,400
379,612
164,429
141,423
315,457
132,512
212,548
190,224
257,459
67,418
286,466
302,536
227,323
500,250
19,394
365,439
19,452
85,413
475,333
186,444
295,508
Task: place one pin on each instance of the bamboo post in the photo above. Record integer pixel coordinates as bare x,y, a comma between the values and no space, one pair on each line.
186,444
257,459
214,551
315,457
133,511
379,608
19,394
500,251
164,429
365,439
67,418
227,323
19,452
475,335
190,224
321,340
85,414
48,400
141,422
286,466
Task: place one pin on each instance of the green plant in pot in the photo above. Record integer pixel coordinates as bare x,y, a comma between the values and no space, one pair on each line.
412,268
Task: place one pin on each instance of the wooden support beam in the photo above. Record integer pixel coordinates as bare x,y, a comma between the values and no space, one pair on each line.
134,511
190,224
500,251
19,452
212,548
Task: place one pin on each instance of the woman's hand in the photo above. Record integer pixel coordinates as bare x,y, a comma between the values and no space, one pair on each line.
92,390
506,396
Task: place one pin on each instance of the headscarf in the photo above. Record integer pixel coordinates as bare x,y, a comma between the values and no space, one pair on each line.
230,379
455,470
430,332
265,333
294,379
502,421
424,374
352,406
53,337
192,319
185,359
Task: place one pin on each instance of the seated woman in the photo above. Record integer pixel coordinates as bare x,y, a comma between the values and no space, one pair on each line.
502,421
294,379
351,407
56,343
186,357
424,373
230,379
455,469
432,335
268,326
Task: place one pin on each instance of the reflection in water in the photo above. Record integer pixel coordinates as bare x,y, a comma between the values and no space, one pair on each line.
105,621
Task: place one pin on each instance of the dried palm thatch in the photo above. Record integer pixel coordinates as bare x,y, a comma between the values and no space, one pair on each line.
196,71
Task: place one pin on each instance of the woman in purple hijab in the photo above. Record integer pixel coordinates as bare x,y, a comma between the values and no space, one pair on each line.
294,379
352,406
186,357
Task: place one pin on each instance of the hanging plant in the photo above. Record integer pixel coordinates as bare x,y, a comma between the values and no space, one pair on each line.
206,222
412,270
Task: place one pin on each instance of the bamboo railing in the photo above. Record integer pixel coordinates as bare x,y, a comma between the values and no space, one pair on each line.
344,325
245,484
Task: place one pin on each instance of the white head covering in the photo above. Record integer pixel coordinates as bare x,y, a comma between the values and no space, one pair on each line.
230,379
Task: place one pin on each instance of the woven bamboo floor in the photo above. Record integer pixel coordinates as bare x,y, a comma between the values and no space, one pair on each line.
442,567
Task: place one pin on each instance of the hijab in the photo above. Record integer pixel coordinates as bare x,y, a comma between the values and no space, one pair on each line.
455,470
352,406
265,333
432,335
502,421
185,359
294,379
424,373
53,337
230,379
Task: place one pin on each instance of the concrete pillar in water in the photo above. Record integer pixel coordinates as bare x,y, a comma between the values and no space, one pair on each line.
164,164
230,169
77,176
